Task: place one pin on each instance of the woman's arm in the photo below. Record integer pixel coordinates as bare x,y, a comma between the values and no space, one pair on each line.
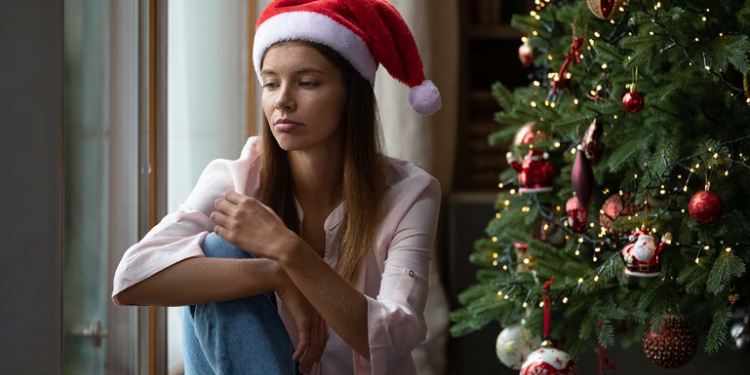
342,306
204,280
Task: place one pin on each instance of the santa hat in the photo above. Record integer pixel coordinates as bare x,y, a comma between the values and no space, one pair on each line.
364,32
637,234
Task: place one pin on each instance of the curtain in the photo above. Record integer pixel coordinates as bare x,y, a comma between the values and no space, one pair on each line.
418,139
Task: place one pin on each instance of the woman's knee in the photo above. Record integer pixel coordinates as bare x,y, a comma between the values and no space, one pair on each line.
216,247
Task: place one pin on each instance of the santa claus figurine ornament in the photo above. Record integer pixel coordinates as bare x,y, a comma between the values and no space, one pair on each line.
548,360
642,256
535,174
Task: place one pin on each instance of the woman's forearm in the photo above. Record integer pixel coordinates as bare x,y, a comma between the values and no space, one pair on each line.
342,306
204,280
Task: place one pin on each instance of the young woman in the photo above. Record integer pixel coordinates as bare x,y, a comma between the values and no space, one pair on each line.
312,210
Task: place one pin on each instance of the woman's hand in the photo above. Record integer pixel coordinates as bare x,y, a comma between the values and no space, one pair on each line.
313,330
247,223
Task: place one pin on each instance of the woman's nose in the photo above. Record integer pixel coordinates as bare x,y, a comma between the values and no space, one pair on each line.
285,100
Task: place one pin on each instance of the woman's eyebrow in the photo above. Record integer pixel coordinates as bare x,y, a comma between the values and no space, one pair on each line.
299,71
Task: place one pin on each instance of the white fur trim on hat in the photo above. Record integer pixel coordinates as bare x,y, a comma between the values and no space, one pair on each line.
314,27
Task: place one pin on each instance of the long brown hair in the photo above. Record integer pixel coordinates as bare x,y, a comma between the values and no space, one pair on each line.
364,170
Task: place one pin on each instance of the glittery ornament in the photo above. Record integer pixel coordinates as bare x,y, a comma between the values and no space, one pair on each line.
535,173
526,55
706,207
674,346
613,207
592,143
576,214
633,101
606,9
514,344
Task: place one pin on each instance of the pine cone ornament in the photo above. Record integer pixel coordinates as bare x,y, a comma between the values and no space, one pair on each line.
674,346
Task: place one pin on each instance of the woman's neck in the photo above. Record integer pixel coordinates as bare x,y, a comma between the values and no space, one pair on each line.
317,173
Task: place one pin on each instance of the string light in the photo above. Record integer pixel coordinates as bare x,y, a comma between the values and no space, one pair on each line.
494,263
512,191
596,278
525,305
500,185
541,304
505,267
494,255
494,239
729,249
565,300
497,215
580,280
499,292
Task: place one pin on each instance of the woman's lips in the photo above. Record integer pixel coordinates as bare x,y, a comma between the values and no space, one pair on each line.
286,127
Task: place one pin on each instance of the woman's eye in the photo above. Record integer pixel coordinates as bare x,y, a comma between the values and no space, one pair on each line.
270,85
309,84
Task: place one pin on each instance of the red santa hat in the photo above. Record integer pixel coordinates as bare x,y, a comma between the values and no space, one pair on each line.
364,32
633,237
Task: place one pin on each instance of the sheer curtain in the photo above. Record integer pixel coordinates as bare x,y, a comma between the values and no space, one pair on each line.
412,137
207,83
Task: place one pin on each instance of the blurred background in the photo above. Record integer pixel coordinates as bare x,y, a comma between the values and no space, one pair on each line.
112,108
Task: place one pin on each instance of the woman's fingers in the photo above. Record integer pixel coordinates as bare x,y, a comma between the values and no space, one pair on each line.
322,336
303,343
310,354
219,218
225,206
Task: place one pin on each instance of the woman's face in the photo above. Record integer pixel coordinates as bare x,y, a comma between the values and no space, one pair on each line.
301,86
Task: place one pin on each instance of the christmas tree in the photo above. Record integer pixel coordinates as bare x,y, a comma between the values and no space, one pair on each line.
627,184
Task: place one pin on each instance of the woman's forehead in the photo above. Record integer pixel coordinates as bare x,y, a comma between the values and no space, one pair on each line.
295,56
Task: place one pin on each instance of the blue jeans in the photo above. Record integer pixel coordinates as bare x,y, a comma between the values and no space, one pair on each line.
244,336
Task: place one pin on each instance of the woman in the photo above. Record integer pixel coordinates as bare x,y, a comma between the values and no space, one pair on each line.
312,210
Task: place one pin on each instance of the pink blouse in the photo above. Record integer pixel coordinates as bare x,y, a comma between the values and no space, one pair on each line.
393,279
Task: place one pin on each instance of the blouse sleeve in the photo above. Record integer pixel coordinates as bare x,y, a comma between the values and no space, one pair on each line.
396,323
180,234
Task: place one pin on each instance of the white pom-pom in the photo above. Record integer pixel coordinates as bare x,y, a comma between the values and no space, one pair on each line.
425,98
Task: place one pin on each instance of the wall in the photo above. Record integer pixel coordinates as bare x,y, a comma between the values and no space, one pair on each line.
31,154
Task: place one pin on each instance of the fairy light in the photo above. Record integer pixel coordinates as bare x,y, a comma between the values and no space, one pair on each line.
533,104
598,87
614,117
708,68
525,305
726,173
580,280
575,101
505,267
512,191
507,203
595,259
552,104
578,252
596,34
604,66
729,249
500,185
580,239
541,304
494,239
565,299
598,249
557,144
704,18
697,165
573,151
498,215
494,263
506,296
716,155
635,176
558,208
591,225
536,83
549,57
697,39
499,292
524,39
706,247
526,261
650,33
697,260
596,278
495,255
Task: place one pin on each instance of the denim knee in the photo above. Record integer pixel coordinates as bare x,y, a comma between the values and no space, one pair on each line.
216,247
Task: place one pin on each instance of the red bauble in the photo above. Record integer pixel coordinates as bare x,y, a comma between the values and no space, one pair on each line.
549,361
706,207
674,346
576,214
633,101
526,54
613,207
